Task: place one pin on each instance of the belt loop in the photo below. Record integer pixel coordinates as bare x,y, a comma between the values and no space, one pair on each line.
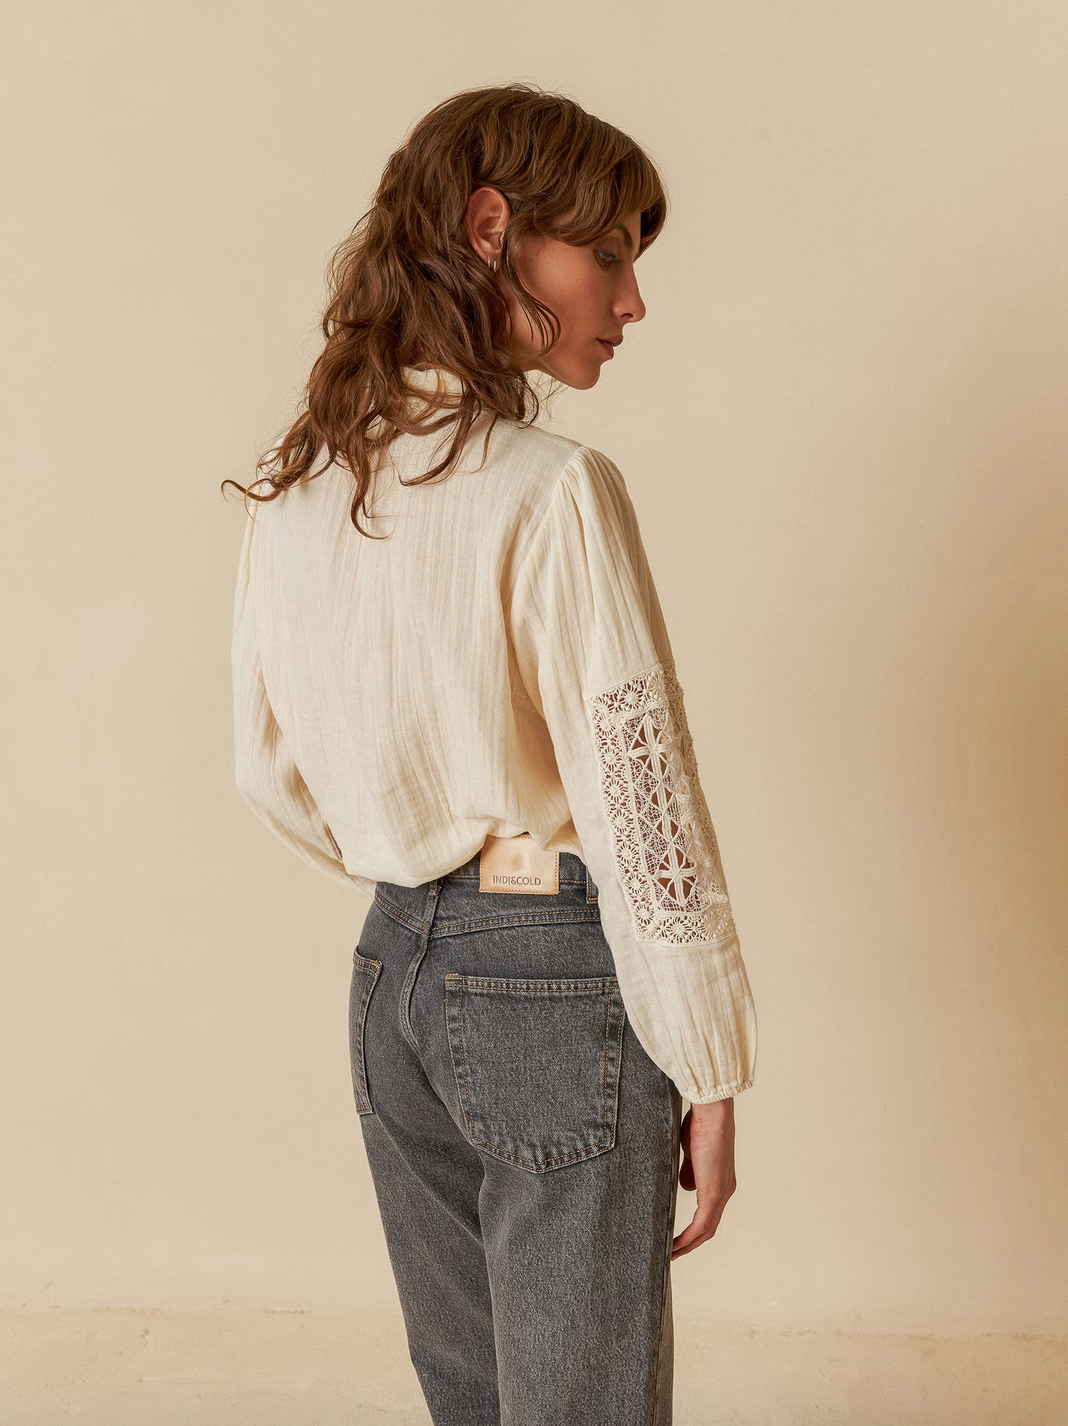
591,887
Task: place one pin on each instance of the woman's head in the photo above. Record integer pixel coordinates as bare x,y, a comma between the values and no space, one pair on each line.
590,288
561,201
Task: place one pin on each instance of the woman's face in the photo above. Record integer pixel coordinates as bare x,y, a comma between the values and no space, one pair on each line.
591,289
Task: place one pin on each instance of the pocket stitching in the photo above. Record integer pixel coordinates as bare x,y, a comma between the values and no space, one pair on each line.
371,969
536,987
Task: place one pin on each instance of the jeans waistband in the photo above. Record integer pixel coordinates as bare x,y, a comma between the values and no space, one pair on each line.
454,902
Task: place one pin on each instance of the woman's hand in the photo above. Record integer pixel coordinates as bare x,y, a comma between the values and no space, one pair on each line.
708,1167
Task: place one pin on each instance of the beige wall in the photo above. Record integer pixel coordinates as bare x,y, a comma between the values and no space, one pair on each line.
855,359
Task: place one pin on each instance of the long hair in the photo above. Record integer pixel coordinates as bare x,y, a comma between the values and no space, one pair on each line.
406,288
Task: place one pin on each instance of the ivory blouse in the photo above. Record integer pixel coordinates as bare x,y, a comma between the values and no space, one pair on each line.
498,664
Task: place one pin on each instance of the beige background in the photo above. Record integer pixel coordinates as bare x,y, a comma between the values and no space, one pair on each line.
843,423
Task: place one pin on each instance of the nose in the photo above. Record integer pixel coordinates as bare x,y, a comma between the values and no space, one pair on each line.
630,307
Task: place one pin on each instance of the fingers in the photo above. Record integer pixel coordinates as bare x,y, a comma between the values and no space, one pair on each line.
704,1225
707,1168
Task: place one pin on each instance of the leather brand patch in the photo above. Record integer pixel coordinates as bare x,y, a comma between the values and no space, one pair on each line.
518,864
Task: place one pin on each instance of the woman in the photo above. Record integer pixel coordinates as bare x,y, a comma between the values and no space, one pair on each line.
454,691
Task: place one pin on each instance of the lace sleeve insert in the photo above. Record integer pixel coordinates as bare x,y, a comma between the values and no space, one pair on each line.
665,845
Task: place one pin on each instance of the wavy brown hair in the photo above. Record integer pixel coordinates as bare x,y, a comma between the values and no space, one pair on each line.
407,289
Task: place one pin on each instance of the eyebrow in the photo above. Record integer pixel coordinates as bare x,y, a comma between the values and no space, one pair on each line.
619,228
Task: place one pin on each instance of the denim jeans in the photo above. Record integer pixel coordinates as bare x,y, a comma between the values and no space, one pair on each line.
524,1151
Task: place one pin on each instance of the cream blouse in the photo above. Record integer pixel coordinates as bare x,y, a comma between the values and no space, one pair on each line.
498,664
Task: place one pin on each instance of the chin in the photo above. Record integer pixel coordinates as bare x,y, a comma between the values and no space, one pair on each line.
579,375
580,379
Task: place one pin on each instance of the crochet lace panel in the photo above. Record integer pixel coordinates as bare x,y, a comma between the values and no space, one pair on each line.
665,845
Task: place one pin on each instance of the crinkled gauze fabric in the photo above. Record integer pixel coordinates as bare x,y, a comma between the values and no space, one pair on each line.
497,664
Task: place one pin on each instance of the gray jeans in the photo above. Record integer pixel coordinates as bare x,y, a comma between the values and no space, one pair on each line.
524,1150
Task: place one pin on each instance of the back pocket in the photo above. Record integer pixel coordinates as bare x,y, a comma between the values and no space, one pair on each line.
536,1065
364,980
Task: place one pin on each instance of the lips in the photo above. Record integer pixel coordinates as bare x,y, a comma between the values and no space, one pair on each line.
609,345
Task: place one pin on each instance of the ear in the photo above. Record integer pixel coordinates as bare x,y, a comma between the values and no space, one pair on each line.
487,217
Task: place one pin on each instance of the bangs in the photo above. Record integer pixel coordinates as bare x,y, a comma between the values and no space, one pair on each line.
604,194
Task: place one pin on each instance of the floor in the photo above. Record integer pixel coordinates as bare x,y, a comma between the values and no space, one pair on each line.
239,1367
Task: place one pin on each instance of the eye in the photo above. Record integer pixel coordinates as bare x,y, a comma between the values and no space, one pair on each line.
605,258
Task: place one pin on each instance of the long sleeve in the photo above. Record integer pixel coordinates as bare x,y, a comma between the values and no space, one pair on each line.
596,660
264,770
